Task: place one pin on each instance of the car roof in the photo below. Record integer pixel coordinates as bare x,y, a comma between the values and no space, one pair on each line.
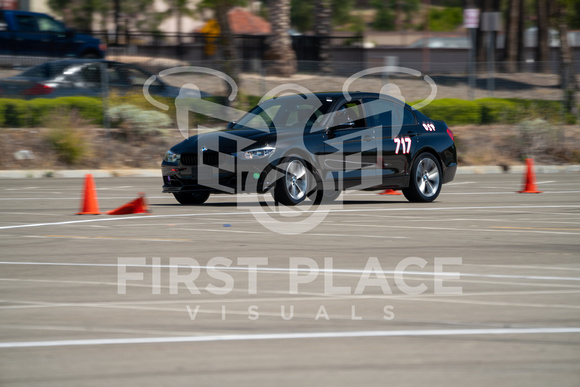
83,61
338,95
47,70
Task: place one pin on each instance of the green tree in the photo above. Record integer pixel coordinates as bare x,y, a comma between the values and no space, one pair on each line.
445,19
301,12
394,14
384,19
78,14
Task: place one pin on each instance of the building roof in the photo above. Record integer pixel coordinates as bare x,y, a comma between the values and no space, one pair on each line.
242,22
245,22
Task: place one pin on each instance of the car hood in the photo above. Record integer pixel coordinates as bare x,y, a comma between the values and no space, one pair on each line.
228,141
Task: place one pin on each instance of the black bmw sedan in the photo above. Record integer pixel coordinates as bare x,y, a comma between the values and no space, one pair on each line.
315,146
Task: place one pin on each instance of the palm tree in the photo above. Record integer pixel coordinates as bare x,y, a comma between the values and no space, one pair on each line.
513,50
568,76
323,30
542,48
280,55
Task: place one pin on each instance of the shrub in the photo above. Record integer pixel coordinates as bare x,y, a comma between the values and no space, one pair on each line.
19,113
14,112
453,111
497,110
537,138
68,136
137,123
445,19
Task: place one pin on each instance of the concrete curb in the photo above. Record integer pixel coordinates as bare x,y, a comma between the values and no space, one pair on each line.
113,173
79,173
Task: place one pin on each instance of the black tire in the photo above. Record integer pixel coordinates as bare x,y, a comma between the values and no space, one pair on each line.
426,179
295,182
90,55
191,198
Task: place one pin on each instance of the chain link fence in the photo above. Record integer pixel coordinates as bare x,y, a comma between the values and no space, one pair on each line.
525,109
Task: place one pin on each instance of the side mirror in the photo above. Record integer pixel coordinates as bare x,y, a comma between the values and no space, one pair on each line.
231,125
69,33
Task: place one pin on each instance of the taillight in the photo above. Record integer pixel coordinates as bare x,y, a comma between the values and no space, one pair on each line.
450,133
38,89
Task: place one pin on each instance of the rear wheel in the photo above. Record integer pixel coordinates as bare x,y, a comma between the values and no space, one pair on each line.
425,183
90,55
191,198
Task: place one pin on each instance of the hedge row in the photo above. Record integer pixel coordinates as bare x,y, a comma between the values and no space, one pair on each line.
35,113
17,113
495,111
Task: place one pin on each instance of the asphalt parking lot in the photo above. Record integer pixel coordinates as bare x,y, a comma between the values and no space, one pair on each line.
480,288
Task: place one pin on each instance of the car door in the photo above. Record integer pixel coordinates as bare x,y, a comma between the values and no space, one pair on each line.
350,147
28,40
396,133
54,35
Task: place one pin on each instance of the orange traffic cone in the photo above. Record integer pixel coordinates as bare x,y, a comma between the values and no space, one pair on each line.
390,192
137,206
90,205
530,178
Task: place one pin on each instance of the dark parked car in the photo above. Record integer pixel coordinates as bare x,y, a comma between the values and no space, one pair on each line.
316,146
82,77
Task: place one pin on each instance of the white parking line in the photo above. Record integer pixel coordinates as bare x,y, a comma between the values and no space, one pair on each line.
245,213
305,270
291,336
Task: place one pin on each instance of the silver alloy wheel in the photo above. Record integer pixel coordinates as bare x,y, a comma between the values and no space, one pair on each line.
296,180
427,175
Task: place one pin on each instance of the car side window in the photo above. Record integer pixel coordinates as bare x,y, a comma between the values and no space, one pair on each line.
383,112
91,74
409,117
349,114
46,24
137,77
26,23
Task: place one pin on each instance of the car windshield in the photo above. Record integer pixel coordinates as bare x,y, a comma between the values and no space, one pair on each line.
295,112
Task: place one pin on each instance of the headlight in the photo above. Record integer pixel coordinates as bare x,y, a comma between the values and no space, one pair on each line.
259,153
171,157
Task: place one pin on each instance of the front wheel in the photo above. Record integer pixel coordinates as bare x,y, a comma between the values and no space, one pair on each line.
425,183
294,183
191,198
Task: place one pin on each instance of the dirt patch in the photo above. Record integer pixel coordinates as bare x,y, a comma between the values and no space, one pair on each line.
507,145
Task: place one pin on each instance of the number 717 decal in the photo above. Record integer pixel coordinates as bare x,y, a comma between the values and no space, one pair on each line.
403,144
